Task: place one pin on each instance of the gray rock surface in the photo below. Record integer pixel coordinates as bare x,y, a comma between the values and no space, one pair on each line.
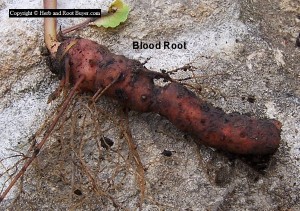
245,55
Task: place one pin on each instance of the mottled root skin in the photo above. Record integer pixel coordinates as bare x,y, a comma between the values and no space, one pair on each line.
133,85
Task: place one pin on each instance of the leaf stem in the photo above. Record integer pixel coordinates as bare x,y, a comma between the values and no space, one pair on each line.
50,28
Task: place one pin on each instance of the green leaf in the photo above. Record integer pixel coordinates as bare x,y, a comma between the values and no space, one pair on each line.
117,13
